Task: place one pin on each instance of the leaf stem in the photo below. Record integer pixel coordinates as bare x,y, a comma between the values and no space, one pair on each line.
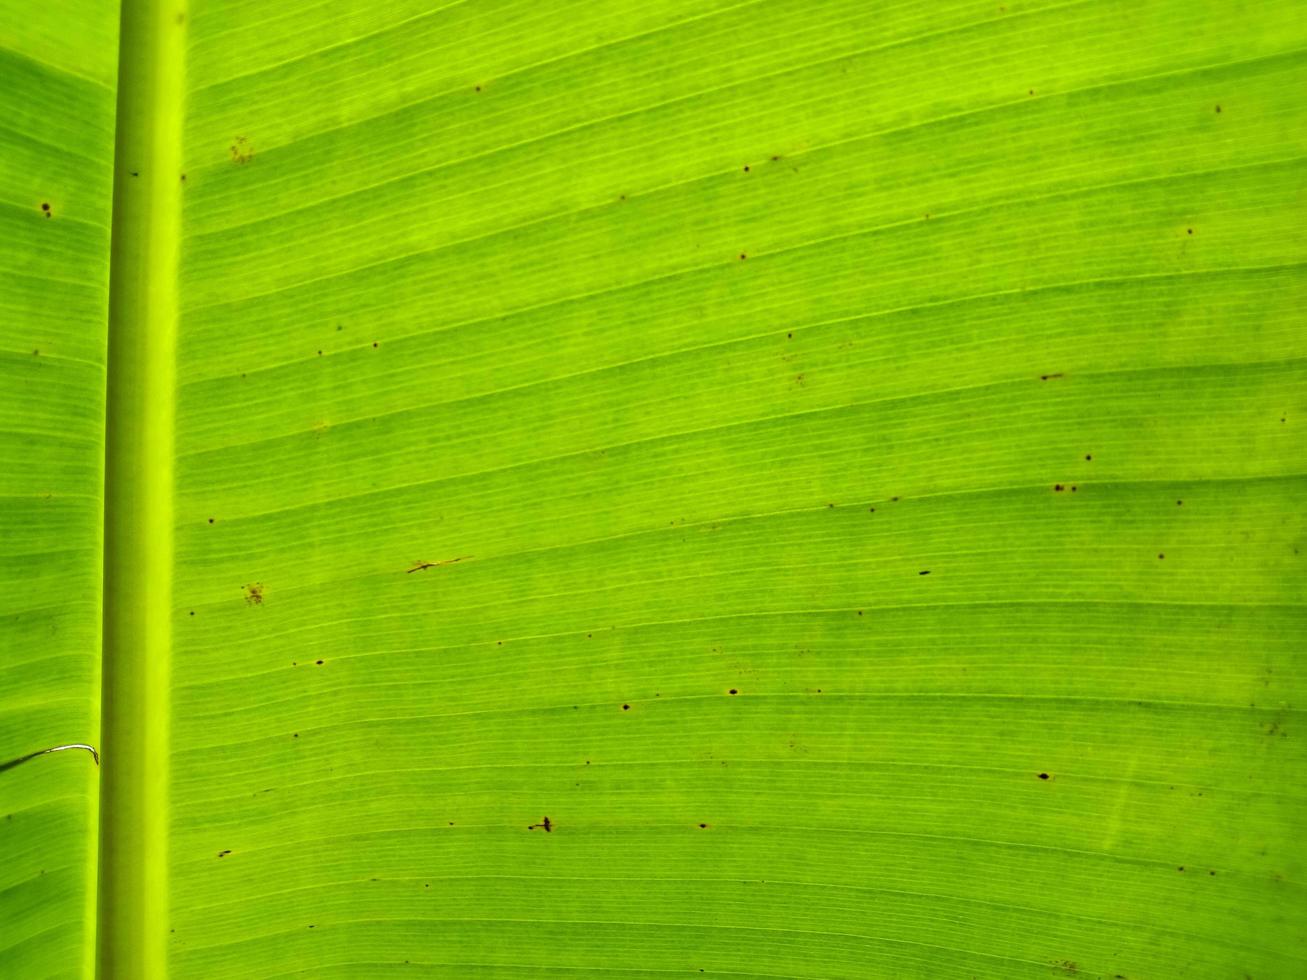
133,908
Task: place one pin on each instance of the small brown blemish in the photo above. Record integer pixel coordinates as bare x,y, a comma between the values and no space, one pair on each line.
318,662
733,691
1160,556
419,566
254,593
1049,377
703,826
1058,488
924,571
241,150
223,853
210,520
1218,110
546,825
1189,230
1088,456
626,707
743,256
746,168
1043,775
1179,503
375,344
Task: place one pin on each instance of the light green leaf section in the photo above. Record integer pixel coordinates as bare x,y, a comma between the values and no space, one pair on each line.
759,489
58,66
820,421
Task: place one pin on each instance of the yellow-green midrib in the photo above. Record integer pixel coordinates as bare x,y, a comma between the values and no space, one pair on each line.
138,571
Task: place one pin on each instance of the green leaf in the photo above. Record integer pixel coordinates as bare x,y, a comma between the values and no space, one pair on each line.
759,489
56,162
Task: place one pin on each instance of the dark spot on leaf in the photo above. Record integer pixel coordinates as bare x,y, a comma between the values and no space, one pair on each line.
1218,108
743,256
1043,775
746,168
295,735
1088,456
192,612
45,207
703,826
374,344
544,825
318,662
254,593
1190,230
1181,868
210,520
1179,503
925,571
223,853
1048,377
733,691
1058,487
1160,556
626,707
